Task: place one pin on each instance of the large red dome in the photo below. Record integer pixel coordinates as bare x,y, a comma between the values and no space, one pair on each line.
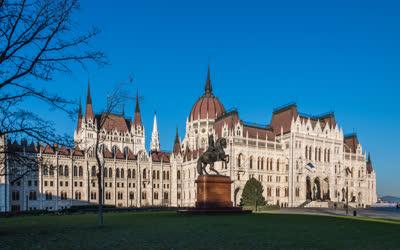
207,104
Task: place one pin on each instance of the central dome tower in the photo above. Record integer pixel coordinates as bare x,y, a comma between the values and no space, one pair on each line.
207,106
200,123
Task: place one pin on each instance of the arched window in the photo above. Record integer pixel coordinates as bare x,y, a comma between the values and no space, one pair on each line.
270,164
251,162
166,195
131,195
329,155
93,171
144,173
51,170
129,174
110,173
306,152
114,149
75,171
45,170
122,173
80,171
319,154
277,165
155,196
262,163
178,175
66,170
60,170
309,153
316,154
133,173
105,172
239,160
117,173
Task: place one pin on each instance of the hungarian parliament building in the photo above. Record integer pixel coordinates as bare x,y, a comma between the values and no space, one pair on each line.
301,160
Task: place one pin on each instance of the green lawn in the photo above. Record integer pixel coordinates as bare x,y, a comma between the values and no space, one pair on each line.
167,230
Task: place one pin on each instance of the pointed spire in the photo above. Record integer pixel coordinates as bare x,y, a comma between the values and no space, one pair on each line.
177,143
137,117
88,97
137,108
155,139
208,87
369,157
89,107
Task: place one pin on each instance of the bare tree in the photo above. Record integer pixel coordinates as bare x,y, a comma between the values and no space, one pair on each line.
103,121
38,39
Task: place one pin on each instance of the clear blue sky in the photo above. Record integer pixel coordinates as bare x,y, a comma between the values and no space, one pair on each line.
340,56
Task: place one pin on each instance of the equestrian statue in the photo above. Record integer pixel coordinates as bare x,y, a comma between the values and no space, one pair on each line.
215,152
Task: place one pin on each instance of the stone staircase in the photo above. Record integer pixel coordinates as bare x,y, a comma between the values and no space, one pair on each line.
304,204
317,204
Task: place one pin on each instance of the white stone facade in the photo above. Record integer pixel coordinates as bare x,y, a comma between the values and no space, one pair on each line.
297,158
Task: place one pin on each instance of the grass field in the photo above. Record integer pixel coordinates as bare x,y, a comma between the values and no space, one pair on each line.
167,230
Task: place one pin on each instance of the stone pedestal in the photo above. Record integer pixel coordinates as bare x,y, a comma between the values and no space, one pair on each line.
213,191
214,196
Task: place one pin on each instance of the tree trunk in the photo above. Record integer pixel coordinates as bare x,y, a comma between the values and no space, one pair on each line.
99,183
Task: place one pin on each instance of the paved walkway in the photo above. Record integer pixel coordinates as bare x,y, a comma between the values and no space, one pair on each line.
372,213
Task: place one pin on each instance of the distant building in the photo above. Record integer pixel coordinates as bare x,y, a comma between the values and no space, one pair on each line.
301,160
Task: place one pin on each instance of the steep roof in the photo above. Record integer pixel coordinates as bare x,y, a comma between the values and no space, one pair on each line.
160,156
114,121
254,131
282,118
351,142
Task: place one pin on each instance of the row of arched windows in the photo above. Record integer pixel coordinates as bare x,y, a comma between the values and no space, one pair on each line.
260,163
63,195
62,170
78,195
119,173
48,195
317,154
78,171
277,192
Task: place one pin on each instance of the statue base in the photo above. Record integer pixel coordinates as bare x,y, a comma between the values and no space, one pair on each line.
214,196
213,191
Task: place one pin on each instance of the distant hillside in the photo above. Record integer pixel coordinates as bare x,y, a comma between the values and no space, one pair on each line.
389,198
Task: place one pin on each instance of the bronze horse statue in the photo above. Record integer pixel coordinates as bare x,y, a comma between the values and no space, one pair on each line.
212,155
